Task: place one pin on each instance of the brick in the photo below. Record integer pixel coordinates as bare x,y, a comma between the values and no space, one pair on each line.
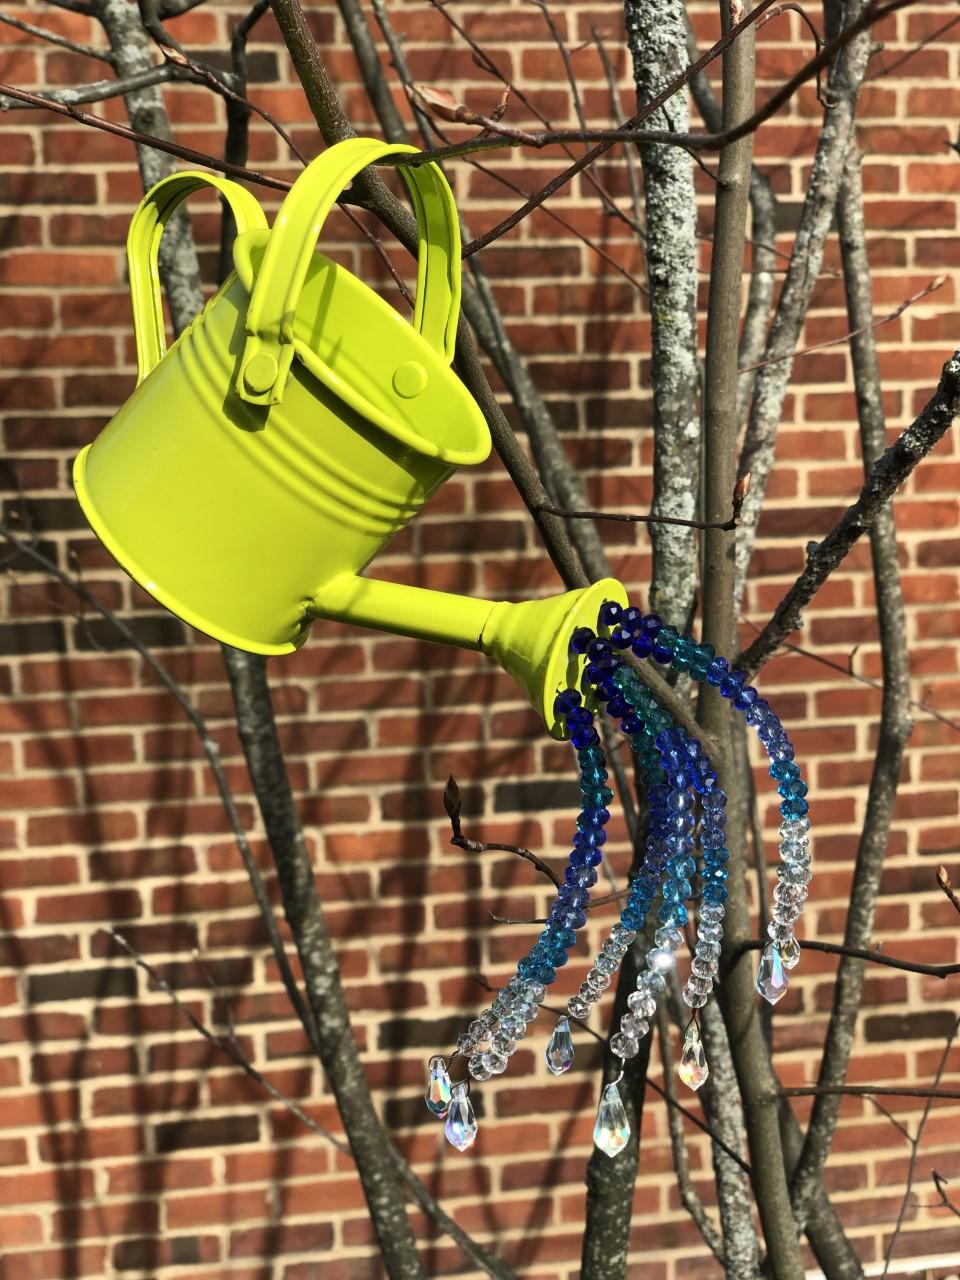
84,984
223,1131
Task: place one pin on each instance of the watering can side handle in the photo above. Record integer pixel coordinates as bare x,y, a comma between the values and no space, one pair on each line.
290,248
143,246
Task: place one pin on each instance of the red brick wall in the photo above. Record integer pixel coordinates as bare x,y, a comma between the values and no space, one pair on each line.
127,1145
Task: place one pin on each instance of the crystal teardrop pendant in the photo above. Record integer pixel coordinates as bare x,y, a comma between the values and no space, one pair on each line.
559,1051
460,1129
693,1069
771,976
790,953
612,1130
437,1096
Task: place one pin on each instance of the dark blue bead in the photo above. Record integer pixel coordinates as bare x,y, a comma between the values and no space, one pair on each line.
650,624
745,698
609,613
585,737
714,891
621,638
599,651
632,919
578,716
716,671
631,724
663,653
631,619
565,701
618,706
586,857
642,646
581,639
580,877
711,839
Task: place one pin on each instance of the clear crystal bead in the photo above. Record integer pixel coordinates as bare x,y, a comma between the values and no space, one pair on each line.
605,963
477,1070
694,999
461,1126
704,966
668,938
794,828
438,1092
780,932
488,1020
771,976
693,1069
660,960
790,953
624,1046
466,1043
642,1003
559,1051
513,1028
533,992
628,1025
598,979
528,1012
625,937
696,983
709,932
612,1129
588,993
653,982
577,1007
495,1062
794,873
503,1045
707,949
786,913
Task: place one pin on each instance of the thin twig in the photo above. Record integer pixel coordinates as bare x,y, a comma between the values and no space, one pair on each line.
925,292
941,1184
890,472
85,50
143,139
866,1090
905,57
943,880
857,953
869,681
915,1153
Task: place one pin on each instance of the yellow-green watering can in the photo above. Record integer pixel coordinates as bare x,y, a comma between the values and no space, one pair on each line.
294,427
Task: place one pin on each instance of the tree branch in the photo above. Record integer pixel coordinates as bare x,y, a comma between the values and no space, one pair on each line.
886,476
52,37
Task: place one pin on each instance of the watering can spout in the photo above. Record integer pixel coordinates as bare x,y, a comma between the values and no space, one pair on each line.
530,641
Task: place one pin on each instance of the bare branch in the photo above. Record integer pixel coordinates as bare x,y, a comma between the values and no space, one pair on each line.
889,473
860,953
52,37
937,283
941,1184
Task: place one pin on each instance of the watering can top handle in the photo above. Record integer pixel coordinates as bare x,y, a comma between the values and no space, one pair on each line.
276,292
143,245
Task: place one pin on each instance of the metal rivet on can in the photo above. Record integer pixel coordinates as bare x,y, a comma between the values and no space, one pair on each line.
261,372
409,379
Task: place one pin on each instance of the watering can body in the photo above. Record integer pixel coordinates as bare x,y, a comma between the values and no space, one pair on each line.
295,426
234,502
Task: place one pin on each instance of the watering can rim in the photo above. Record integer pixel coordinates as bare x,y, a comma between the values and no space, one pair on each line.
257,238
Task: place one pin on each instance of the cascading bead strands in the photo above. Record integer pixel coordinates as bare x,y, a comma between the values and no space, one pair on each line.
681,784
491,1040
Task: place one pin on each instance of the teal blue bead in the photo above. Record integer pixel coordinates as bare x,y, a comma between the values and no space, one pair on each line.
793,789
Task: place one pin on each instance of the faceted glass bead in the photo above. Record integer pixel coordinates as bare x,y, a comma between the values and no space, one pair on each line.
694,999
495,1062
533,992
786,913
606,964
711,913
488,1020
513,1027
438,1092
624,1046
780,932
693,1069
709,932
577,1007
649,980
503,1045
631,1025
642,1004
661,960
771,976
597,979
461,1126
612,1129
466,1043
790,953
625,937
559,1051
477,1030
477,1070
704,966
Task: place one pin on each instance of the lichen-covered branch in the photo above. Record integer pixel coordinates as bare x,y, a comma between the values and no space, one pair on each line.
657,37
